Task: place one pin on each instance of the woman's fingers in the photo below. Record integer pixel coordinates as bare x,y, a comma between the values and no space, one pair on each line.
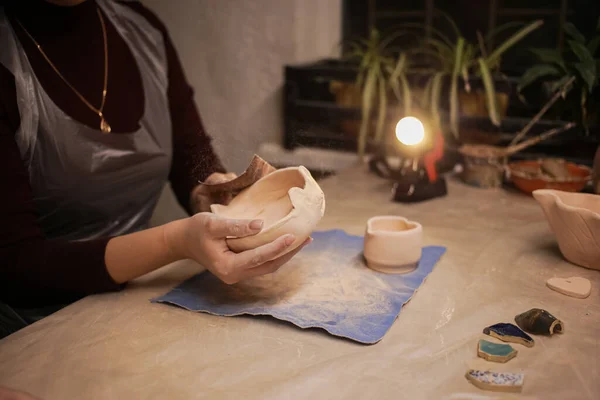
260,255
271,266
220,228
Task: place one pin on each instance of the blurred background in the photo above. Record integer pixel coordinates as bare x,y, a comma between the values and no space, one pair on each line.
282,78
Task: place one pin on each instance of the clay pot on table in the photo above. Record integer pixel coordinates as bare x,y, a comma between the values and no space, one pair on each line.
392,244
575,220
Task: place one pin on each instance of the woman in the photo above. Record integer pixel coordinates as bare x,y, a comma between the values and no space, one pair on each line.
95,117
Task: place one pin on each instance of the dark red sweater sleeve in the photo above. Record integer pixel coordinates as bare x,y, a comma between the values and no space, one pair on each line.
194,158
33,270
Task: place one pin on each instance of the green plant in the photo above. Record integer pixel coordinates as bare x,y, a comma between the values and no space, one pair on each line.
458,60
378,72
578,62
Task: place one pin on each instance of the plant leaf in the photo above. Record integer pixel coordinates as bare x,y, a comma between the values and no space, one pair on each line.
536,72
582,52
587,73
593,45
481,43
368,95
550,56
490,92
511,41
407,100
452,23
446,52
501,28
382,110
435,31
390,37
562,85
572,31
399,68
436,91
426,99
454,87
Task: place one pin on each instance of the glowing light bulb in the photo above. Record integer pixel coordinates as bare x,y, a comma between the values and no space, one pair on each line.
410,131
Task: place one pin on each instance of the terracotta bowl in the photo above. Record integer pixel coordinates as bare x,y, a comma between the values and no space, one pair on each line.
392,244
580,176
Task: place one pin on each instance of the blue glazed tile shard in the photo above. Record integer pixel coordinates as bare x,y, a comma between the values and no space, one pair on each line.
495,352
509,333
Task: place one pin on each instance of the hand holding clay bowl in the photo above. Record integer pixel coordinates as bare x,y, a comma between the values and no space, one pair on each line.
392,244
288,200
549,174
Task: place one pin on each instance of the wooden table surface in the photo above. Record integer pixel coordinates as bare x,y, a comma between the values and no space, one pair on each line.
500,254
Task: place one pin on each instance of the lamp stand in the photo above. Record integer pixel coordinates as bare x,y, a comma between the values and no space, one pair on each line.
414,185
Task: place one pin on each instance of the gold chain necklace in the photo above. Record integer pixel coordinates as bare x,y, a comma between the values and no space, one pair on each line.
104,126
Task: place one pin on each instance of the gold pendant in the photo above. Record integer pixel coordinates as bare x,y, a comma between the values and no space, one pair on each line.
104,126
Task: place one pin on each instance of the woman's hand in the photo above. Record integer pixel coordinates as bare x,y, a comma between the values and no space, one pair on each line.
201,200
202,238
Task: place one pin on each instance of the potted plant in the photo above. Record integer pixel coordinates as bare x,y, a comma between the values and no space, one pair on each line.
578,62
460,61
380,74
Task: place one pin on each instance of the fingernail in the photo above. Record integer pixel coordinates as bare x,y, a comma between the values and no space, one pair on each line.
289,239
256,224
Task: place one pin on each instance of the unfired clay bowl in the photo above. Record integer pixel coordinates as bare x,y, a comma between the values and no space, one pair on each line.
575,220
392,244
288,200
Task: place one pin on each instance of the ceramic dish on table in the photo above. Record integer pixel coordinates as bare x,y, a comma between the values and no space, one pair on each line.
527,176
392,244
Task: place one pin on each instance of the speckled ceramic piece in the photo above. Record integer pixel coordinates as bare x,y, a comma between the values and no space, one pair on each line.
392,244
496,352
539,322
509,333
575,220
577,287
496,381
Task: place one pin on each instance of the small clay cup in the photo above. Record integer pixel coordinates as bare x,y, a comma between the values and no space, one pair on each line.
392,244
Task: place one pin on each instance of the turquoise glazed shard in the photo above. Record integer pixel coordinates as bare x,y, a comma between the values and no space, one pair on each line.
496,381
496,352
539,322
509,333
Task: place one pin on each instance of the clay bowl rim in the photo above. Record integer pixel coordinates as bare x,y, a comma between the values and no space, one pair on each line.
560,202
301,169
573,179
414,229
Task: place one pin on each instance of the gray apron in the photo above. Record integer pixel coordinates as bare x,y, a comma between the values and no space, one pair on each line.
87,184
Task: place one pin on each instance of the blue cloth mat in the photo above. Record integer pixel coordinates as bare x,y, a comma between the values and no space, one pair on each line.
327,285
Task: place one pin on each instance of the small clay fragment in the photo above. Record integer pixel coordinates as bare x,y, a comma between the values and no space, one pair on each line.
539,322
495,352
257,169
509,333
555,168
574,286
496,381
